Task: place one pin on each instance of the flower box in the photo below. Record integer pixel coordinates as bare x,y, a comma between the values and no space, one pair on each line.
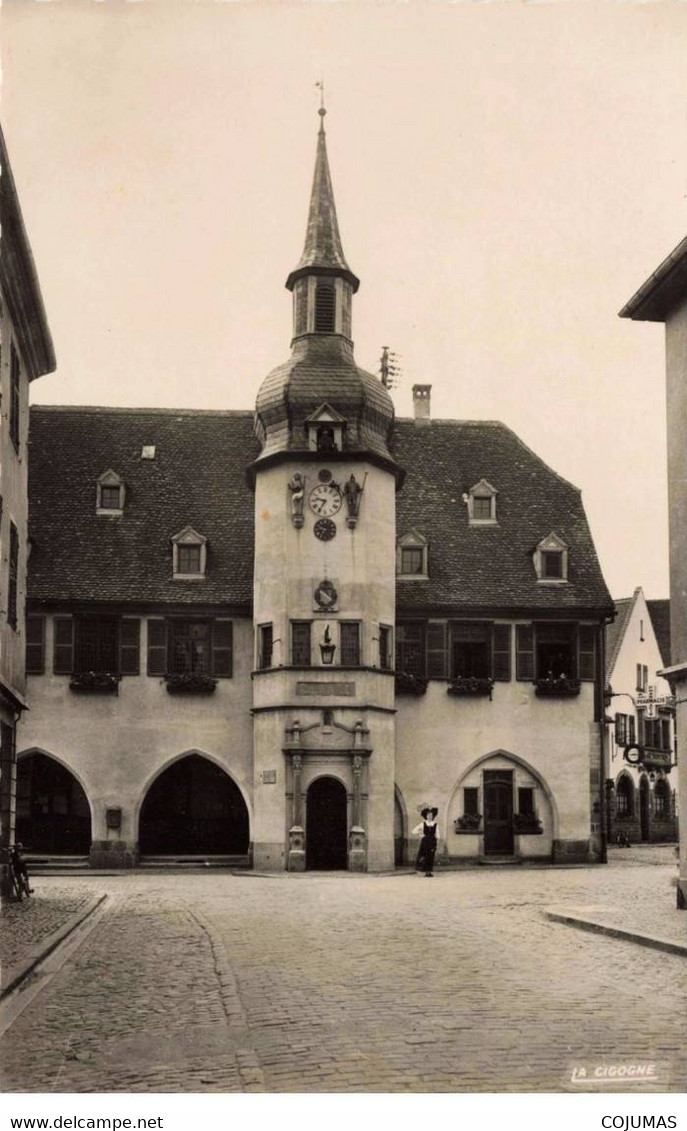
190,683
468,823
557,687
95,683
527,824
471,685
407,684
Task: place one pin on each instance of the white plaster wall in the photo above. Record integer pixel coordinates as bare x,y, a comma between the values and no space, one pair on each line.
117,745
439,737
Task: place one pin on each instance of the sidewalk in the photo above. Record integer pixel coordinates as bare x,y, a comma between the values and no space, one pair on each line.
31,929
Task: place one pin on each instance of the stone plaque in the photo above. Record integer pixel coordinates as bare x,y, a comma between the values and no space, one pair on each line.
308,687
269,777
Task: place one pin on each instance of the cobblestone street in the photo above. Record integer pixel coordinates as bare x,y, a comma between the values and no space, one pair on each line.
215,982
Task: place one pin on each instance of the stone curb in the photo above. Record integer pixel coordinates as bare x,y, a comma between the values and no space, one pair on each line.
653,941
17,973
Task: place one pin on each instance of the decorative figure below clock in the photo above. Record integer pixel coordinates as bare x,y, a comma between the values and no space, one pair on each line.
326,596
325,500
297,489
324,529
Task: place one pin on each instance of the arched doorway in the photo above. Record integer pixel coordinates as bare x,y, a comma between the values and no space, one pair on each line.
53,814
194,808
644,803
326,841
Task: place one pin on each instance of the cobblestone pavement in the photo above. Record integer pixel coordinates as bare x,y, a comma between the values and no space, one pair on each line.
26,924
365,984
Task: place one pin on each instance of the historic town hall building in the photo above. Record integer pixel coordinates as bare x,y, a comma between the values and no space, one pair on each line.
273,635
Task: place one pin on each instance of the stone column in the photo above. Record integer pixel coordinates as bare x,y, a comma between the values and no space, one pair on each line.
357,851
296,857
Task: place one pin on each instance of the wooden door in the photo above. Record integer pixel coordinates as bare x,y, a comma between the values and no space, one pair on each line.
498,813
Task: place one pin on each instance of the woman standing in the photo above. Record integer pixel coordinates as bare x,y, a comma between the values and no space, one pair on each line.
430,839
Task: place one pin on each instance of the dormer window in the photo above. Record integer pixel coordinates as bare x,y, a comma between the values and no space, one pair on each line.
110,494
481,501
325,430
551,560
411,557
189,550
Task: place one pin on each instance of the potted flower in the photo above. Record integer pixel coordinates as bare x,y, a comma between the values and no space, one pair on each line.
409,684
471,685
99,683
526,823
191,683
557,686
468,823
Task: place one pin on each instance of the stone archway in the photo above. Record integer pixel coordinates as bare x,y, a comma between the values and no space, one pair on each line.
193,808
53,813
326,825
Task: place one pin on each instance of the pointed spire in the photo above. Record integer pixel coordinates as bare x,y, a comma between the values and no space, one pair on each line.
323,253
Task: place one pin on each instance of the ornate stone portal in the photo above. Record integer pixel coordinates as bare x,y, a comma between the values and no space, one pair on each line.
354,759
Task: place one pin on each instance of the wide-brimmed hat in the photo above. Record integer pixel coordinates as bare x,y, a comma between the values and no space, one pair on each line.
429,809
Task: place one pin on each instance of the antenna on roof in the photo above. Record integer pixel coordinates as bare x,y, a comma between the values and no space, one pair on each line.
389,371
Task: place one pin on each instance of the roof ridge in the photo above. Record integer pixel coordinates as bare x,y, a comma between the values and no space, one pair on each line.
128,411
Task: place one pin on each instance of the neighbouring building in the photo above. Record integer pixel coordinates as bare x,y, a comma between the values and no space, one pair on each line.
643,769
26,352
663,298
271,636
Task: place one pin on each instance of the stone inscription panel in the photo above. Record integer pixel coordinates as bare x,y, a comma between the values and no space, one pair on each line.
304,687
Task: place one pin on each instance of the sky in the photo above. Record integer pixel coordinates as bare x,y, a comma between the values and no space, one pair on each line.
506,176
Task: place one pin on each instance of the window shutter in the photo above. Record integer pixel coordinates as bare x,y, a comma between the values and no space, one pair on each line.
587,651
35,645
222,648
524,639
501,652
129,646
436,651
63,653
157,647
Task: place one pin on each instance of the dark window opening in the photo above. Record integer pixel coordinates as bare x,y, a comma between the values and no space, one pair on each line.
621,730
624,798
481,506
301,655
96,645
326,439
189,647
110,498
552,563
410,648
350,644
325,306
266,644
556,651
13,587
384,648
188,559
471,801
412,559
14,397
526,801
470,651
661,799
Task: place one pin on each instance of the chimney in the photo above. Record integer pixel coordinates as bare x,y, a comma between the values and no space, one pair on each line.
421,402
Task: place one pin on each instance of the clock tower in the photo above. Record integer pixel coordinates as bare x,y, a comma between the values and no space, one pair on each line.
324,588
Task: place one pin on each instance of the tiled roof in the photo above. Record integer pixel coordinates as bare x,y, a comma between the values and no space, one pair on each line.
616,631
659,612
198,478
473,566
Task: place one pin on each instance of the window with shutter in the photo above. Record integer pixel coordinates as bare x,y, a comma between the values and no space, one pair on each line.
301,649
410,648
436,650
222,649
385,647
524,657
556,651
502,652
350,643
325,306
157,647
587,651
621,729
129,646
63,651
96,644
35,645
470,650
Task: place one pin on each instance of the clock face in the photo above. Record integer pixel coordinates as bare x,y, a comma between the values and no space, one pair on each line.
325,500
324,529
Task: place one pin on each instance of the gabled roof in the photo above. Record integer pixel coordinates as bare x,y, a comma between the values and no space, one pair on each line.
659,611
198,478
615,632
662,291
